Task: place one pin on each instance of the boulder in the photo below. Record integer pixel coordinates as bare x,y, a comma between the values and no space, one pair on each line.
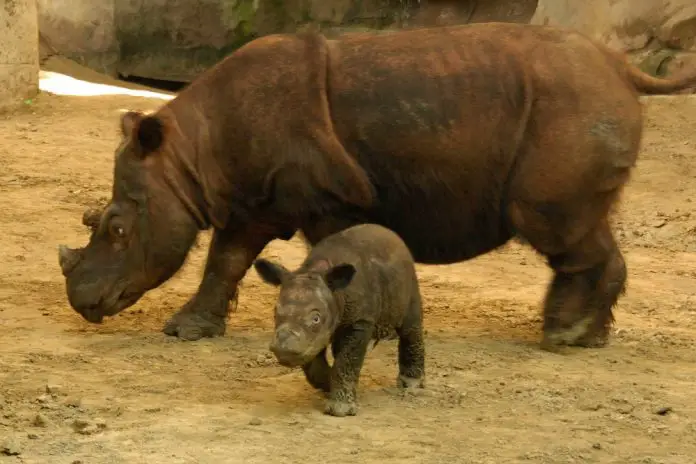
451,12
659,34
625,24
82,30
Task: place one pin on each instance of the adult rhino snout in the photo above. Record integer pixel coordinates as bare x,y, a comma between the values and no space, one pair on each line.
68,259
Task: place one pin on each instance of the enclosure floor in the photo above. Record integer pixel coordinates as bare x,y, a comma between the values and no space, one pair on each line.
492,396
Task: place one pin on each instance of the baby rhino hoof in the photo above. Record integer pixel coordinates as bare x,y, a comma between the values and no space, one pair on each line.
341,408
409,382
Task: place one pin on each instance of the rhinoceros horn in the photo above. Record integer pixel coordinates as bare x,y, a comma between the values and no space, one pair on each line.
68,258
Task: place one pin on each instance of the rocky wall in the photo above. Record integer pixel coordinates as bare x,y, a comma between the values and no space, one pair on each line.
177,39
659,34
82,30
19,57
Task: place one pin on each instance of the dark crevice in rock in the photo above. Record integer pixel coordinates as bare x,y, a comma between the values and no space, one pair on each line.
168,86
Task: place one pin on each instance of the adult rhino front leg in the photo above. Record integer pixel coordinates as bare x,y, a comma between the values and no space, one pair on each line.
231,253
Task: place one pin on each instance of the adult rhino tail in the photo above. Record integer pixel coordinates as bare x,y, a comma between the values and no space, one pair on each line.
649,85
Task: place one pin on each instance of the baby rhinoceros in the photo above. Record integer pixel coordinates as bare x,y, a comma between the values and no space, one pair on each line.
354,287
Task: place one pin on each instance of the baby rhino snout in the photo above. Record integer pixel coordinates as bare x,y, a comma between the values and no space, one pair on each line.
288,346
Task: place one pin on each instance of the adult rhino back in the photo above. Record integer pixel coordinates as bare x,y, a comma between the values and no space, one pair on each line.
438,128
456,138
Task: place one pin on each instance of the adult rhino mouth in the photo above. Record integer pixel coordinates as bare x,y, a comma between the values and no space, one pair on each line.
86,298
96,313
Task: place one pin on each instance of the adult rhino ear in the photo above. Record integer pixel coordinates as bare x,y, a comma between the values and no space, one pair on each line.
129,121
147,132
270,272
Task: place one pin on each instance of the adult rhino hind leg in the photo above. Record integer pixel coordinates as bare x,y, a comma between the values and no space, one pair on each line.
230,255
588,281
560,197
589,269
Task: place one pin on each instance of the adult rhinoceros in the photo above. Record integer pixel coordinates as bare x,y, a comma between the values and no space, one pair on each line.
458,139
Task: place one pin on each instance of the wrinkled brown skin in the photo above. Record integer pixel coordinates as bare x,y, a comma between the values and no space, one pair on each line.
361,285
458,139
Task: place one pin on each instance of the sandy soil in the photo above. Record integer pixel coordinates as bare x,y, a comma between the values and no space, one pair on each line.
123,392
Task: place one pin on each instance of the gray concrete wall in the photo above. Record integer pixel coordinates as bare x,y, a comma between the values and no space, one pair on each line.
19,52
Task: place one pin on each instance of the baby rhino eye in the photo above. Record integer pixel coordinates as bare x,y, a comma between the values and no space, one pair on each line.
315,318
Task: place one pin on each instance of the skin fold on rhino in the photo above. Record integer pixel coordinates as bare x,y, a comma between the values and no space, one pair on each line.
458,139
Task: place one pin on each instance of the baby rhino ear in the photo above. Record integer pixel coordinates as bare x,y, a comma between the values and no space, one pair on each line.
270,272
338,277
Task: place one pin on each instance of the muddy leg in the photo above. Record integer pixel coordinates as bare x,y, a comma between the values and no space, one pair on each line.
349,348
588,280
412,347
318,372
230,255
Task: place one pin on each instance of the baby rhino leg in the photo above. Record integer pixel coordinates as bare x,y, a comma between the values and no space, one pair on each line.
412,346
349,347
318,372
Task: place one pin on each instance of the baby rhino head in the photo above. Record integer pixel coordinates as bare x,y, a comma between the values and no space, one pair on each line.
307,313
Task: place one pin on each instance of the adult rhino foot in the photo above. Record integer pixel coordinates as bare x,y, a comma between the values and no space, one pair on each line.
593,340
191,326
338,408
583,334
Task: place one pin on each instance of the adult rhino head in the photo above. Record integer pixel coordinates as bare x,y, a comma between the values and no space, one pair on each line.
248,148
142,236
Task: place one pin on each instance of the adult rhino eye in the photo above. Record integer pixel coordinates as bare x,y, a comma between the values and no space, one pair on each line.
316,318
117,230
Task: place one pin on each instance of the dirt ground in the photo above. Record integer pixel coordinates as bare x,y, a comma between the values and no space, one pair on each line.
123,392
